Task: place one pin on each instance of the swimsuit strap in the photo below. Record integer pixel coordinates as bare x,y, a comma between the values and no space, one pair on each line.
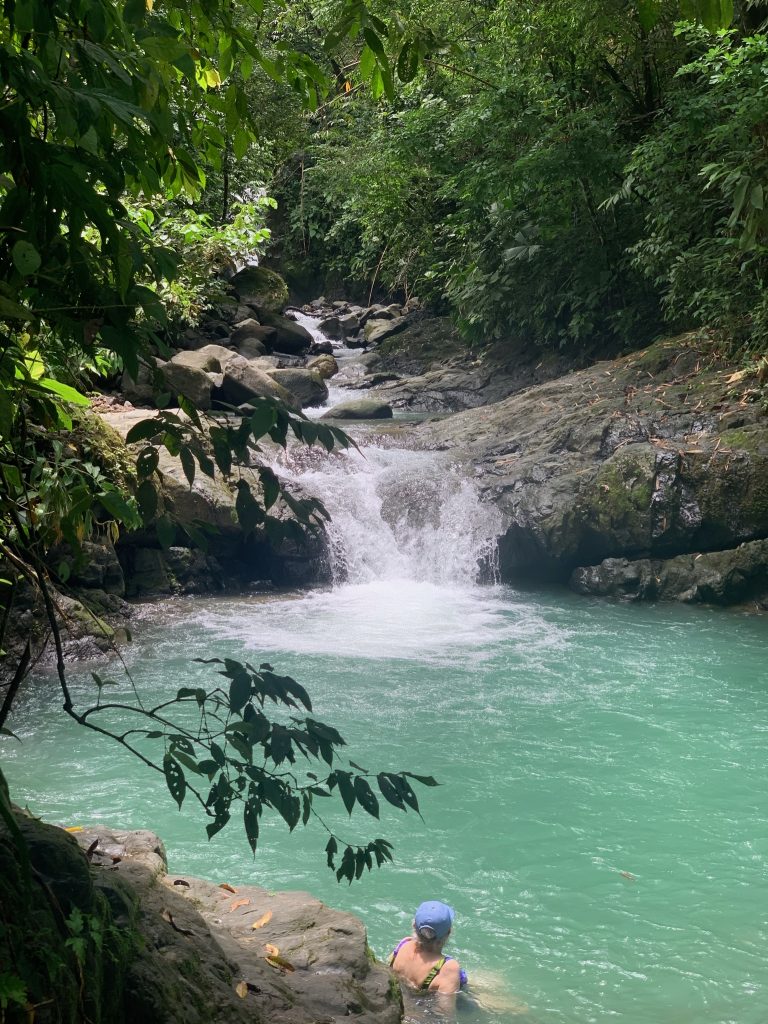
398,947
433,973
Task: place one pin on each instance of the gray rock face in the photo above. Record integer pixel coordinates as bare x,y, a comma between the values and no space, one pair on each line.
635,458
377,330
209,358
244,381
186,380
715,577
307,386
99,569
201,959
236,557
359,409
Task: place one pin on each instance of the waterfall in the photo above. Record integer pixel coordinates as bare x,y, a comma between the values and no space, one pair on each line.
398,514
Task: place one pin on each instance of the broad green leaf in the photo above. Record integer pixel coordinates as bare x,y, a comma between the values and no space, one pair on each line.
26,258
69,394
174,778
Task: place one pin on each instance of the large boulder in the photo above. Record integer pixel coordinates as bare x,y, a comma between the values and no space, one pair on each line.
243,381
262,288
209,358
359,409
377,330
188,951
193,383
307,385
291,338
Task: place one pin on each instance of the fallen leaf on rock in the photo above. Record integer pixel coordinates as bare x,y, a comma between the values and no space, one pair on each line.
181,881
279,963
227,886
271,950
91,849
74,828
265,919
242,989
239,903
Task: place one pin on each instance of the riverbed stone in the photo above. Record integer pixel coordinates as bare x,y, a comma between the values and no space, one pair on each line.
331,327
259,342
306,385
325,365
359,409
379,329
195,384
243,381
209,358
291,338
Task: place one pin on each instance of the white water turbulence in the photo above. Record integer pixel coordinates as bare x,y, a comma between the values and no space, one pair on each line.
410,543
400,515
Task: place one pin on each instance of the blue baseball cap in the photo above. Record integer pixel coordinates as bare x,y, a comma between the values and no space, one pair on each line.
435,916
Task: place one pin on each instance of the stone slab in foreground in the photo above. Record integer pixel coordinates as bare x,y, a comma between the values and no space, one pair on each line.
203,934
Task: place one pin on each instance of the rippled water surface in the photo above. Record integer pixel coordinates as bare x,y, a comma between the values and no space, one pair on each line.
601,825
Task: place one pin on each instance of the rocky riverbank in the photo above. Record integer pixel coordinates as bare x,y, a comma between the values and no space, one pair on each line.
135,943
642,477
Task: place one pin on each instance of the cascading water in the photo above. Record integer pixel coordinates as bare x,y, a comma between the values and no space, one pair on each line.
399,515
346,358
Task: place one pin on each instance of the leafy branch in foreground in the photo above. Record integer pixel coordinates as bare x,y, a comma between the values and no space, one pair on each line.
221,740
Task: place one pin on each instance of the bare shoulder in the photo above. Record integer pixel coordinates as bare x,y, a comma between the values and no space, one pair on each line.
449,978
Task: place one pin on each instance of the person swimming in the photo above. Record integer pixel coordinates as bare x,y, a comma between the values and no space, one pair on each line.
419,960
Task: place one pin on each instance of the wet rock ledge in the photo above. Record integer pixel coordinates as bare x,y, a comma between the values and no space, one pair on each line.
173,949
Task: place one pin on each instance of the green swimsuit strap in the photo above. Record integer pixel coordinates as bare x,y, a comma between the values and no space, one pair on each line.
434,972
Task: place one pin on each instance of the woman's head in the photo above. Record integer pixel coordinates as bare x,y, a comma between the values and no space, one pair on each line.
432,925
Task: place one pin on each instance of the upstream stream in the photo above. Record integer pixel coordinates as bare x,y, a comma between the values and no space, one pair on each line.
601,825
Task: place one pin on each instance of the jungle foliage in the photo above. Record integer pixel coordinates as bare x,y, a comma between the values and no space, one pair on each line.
560,174
134,141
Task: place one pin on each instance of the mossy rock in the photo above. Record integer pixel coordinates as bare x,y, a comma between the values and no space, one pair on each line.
103,445
260,287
